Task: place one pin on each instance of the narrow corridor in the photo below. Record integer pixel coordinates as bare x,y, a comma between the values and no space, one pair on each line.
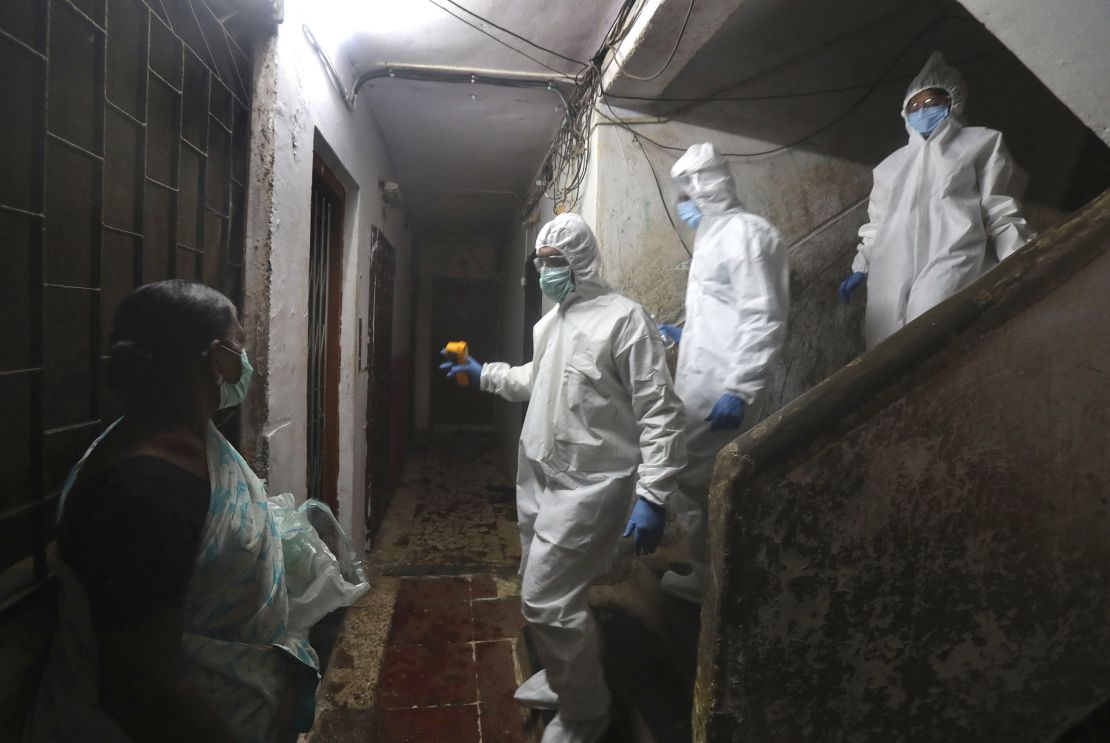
904,537
431,654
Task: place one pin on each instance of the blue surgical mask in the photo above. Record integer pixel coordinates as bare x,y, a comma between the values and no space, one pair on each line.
556,283
689,213
233,394
926,119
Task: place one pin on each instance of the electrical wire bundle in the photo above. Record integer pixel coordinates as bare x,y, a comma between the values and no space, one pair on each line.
564,169
566,165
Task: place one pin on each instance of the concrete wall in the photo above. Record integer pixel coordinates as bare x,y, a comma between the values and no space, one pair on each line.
815,192
298,112
916,549
1064,44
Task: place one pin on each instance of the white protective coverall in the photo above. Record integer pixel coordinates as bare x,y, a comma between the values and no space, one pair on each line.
603,422
934,205
737,300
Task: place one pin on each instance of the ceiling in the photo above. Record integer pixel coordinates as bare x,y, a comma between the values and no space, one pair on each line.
467,155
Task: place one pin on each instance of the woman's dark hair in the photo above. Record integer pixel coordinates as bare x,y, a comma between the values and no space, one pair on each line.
161,330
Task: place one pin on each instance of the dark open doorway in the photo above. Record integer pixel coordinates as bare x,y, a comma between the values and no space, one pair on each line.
463,310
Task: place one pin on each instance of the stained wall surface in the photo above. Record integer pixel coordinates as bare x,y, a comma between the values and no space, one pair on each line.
925,557
803,158
299,113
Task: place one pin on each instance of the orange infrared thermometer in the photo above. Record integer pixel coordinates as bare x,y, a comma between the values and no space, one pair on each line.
459,352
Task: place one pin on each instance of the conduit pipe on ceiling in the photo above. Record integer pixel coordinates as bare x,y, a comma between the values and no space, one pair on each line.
438,74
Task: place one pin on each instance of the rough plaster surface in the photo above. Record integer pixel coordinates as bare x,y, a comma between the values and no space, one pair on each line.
1064,45
297,113
455,508
936,571
815,192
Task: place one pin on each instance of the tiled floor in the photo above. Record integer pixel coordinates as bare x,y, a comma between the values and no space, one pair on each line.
447,676
429,655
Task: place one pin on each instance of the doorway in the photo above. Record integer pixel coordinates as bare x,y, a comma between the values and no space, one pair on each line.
324,306
463,310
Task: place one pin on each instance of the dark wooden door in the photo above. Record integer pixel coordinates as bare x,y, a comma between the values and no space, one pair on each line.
379,356
324,306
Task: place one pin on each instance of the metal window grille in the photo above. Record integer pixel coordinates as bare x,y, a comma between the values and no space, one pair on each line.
123,160
324,216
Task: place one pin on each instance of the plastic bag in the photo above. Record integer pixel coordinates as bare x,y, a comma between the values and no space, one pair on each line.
322,570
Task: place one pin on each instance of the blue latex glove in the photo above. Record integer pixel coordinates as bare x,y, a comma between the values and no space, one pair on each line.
673,332
849,285
472,367
727,413
647,521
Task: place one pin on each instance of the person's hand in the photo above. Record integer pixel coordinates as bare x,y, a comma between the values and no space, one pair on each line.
647,522
671,332
472,368
849,285
727,413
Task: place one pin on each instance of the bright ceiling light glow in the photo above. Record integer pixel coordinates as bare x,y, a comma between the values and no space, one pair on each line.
337,20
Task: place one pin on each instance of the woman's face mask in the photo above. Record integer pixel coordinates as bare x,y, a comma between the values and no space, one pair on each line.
232,394
556,282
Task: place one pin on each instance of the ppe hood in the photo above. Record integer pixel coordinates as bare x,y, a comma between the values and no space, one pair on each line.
704,176
937,74
573,238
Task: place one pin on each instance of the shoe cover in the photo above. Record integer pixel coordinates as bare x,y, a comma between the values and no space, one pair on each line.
684,587
575,731
535,693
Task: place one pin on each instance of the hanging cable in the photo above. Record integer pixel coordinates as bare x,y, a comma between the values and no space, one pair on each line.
662,198
615,119
515,35
784,96
670,57
502,42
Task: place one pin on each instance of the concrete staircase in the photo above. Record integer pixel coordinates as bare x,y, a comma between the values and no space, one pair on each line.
649,646
650,654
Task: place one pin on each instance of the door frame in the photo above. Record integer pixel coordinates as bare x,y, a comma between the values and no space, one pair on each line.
325,181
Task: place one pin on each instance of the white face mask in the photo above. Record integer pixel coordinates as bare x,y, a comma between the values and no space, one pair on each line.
232,394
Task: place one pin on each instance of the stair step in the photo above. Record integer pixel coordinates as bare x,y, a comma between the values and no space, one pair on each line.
537,719
650,645
652,700
677,622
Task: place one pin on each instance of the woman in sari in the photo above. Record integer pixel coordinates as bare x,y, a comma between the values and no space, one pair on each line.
172,595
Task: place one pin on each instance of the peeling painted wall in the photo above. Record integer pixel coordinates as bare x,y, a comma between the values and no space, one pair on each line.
298,112
815,192
916,550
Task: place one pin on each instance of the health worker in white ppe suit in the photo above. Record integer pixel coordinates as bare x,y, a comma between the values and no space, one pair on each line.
603,423
737,299
935,205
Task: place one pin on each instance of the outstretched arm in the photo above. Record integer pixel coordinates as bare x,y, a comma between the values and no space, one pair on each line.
514,383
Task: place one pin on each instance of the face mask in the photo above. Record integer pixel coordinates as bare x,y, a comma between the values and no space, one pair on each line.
689,213
233,394
926,119
556,283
